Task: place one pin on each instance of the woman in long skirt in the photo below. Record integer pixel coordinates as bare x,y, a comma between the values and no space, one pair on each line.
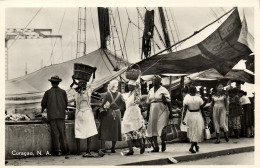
133,126
110,126
85,126
159,109
195,118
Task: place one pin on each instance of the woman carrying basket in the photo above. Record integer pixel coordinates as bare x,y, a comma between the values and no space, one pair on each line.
133,126
159,109
85,126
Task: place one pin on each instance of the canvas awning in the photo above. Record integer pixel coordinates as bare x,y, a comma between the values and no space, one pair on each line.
211,77
220,50
28,90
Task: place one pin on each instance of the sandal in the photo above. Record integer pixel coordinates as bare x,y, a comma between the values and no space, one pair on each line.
129,153
88,155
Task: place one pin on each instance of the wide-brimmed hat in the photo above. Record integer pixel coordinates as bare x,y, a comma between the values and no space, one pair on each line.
55,78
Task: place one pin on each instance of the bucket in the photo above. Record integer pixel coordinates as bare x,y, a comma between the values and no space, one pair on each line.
83,71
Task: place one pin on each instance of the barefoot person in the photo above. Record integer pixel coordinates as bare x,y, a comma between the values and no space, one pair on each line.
133,126
85,126
55,101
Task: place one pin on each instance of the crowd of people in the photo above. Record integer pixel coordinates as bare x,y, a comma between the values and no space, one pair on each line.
232,104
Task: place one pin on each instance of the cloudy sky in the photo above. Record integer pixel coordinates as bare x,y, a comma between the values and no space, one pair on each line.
35,52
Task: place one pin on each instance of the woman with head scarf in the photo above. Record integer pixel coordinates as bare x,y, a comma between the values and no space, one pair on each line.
220,109
159,110
110,125
195,119
248,115
133,126
85,125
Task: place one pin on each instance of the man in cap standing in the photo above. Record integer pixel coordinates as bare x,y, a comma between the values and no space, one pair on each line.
55,101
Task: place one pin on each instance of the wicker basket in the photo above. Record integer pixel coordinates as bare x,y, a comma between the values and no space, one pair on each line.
83,71
133,74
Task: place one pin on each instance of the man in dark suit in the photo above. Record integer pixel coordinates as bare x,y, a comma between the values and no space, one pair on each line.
55,101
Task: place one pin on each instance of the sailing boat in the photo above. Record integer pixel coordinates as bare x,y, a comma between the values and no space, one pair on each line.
26,91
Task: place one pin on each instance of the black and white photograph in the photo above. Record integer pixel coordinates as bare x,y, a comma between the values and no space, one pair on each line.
121,86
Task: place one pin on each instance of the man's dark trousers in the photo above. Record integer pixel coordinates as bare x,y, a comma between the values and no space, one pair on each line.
58,135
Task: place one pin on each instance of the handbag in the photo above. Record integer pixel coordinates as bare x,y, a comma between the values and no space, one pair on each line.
183,128
172,131
207,133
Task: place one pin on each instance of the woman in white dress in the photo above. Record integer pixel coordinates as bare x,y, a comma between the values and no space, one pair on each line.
220,110
85,126
133,127
159,111
195,118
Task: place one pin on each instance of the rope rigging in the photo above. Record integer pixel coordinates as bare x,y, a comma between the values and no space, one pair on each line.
25,28
51,57
175,25
122,33
170,27
121,49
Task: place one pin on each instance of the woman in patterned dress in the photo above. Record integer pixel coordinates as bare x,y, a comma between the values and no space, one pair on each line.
133,126
235,112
